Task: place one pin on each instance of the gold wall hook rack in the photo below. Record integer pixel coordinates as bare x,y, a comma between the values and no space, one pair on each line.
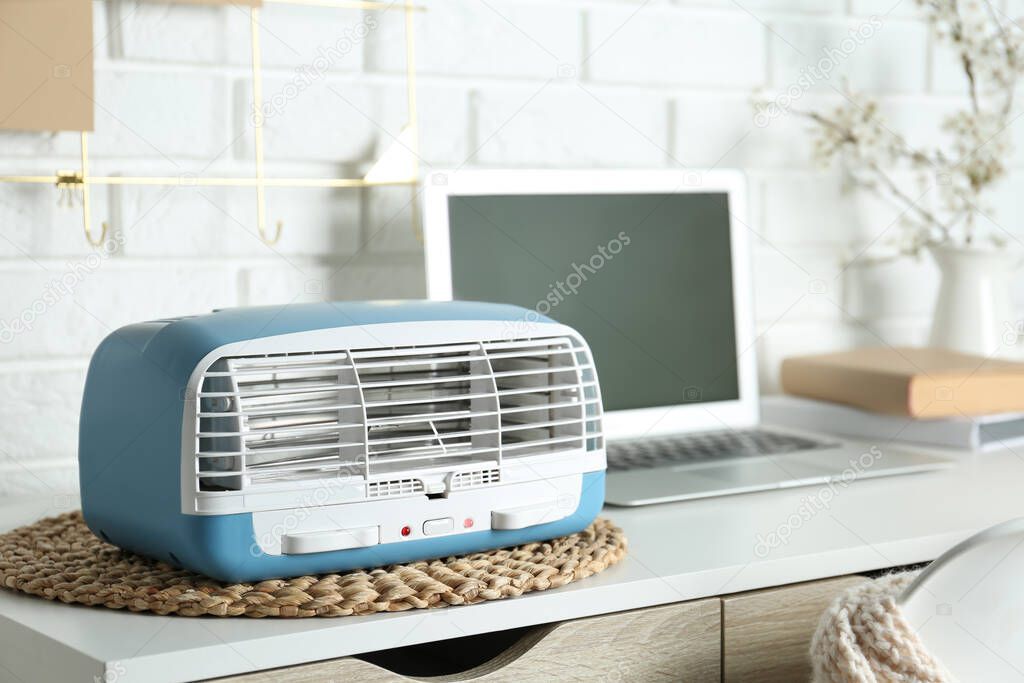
405,172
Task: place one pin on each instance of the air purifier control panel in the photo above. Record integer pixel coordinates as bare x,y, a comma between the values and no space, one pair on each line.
511,506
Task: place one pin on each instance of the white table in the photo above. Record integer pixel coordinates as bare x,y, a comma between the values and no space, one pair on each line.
677,552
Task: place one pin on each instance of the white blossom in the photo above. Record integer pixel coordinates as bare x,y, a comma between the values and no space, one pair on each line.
974,148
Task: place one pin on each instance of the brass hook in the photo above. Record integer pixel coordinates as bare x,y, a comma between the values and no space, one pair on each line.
277,233
67,182
103,234
81,179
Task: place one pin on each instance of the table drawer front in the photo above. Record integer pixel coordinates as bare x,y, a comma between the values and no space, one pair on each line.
766,634
671,643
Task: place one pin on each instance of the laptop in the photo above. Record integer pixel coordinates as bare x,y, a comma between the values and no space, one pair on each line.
653,268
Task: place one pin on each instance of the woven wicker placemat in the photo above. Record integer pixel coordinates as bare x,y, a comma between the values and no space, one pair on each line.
58,558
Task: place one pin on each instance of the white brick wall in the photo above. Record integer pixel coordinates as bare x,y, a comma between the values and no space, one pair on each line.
523,83
662,45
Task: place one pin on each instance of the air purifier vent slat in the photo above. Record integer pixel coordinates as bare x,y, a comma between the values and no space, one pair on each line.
380,415
536,371
432,436
539,389
517,426
285,427
441,416
474,479
284,370
526,443
415,362
397,353
537,353
562,342
428,380
286,360
281,453
437,398
255,449
294,410
411,455
394,488
266,393
309,464
511,410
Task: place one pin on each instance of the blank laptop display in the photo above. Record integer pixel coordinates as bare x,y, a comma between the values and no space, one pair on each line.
646,278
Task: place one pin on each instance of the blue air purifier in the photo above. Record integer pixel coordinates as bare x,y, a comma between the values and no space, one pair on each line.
281,441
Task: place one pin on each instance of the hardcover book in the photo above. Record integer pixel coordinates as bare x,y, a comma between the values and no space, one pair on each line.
913,382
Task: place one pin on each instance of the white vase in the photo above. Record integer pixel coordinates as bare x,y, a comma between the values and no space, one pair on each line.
973,311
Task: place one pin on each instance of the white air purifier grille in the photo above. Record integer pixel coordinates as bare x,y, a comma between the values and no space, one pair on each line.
474,479
395,487
401,421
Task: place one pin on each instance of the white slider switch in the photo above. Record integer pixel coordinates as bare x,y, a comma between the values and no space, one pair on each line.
435,527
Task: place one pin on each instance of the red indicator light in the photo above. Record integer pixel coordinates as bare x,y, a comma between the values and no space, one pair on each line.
406,530
468,523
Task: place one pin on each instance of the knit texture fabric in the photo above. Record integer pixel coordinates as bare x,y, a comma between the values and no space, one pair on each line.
864,638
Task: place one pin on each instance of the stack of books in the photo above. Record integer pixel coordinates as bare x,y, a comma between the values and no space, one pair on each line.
918,395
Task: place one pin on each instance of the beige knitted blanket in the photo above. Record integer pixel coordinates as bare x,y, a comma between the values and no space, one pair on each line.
863,638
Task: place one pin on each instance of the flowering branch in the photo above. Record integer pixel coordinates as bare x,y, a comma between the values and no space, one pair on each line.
975,150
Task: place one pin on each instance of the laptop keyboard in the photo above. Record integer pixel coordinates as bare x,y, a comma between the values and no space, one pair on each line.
703,447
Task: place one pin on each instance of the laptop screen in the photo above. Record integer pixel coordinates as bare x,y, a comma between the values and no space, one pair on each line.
645,278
